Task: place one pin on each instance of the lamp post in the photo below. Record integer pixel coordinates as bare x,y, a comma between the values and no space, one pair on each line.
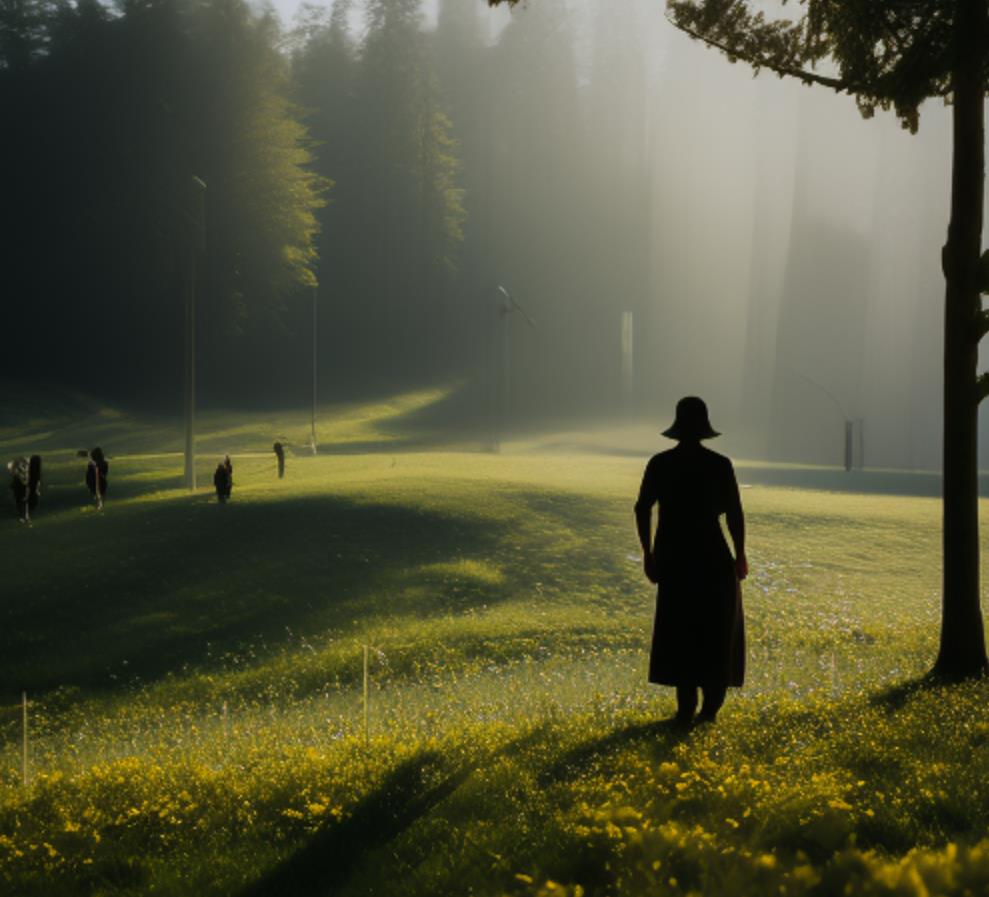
849,423
197,243
507,306
312,437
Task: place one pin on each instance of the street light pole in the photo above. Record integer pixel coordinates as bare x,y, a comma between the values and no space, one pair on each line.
315,291
197,242
849,423
507,306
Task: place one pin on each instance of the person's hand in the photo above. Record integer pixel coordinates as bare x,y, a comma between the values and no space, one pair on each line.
741,567
649,566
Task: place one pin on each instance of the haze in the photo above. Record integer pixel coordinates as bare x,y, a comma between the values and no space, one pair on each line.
778,254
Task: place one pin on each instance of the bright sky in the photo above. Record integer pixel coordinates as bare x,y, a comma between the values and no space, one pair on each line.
286,9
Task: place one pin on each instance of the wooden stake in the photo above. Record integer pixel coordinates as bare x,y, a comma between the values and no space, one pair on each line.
365,695
24,738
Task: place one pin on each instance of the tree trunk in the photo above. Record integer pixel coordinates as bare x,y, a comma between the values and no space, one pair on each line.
963,651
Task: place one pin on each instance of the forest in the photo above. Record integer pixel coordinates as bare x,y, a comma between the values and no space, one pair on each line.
376,170
393,165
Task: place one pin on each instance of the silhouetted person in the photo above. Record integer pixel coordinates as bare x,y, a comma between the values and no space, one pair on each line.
698,636
280,455
223,479
96,471
33,483
19,471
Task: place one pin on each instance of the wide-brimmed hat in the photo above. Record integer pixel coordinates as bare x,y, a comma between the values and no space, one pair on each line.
691,421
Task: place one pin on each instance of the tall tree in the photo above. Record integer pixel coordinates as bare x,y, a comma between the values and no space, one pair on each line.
108,118
397,215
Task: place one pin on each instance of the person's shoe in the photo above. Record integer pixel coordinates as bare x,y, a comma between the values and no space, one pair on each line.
683,719
703,717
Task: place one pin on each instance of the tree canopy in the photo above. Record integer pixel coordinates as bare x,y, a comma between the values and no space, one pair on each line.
108,117
886,55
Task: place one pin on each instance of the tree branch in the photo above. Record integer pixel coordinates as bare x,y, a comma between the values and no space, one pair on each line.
981,387
756,62
981,324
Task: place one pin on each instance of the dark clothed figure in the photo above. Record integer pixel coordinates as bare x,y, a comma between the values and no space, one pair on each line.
223,479
96,473
34,483
19,471
698,635
279,451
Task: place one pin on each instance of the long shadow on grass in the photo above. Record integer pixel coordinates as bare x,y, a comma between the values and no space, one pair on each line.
895,697
329,859
147,591
660,735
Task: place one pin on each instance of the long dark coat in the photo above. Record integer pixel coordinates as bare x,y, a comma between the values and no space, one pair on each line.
699,634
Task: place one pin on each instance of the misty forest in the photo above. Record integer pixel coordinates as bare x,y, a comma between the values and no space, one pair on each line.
363,533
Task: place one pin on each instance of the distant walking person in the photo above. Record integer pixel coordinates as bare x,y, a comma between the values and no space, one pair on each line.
33,483
223,479
19,470
698,635
279,450
96,472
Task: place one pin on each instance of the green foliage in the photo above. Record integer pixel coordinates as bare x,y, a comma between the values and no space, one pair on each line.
393,233
888,55
111,116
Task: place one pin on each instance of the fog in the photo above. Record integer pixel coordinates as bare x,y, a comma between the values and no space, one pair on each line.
778,254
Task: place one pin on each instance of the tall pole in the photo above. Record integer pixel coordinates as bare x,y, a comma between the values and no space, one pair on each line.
197,240
628,362
506,374
190,370
849,424
507,306
315,291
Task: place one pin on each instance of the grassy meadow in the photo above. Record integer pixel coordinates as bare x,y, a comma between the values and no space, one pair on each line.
195,677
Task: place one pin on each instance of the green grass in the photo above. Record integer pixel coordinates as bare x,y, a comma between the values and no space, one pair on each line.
195,681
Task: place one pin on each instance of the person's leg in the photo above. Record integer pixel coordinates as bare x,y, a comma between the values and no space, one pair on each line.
714,697
686,702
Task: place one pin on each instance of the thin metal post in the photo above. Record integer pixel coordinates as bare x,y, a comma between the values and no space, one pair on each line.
849,427
197,242
506,375
314,345
190,371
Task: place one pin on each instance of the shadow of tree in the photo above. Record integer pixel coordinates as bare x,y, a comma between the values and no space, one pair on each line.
894,697
662,735
324,864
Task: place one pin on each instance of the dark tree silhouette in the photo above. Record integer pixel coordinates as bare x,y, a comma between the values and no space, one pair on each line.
894,54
